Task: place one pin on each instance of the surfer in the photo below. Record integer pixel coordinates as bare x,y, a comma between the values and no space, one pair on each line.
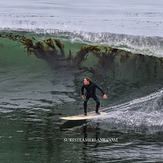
91,93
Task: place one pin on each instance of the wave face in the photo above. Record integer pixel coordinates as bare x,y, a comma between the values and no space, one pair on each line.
125,69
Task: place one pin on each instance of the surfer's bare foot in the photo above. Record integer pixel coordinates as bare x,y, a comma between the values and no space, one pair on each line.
98,113
85,114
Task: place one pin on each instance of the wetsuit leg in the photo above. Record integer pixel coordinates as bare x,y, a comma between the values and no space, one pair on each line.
97,102
87,97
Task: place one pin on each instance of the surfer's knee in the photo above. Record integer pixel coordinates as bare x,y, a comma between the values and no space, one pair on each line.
98,103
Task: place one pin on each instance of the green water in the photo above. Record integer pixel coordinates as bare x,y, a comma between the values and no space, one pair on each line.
36,92
37,137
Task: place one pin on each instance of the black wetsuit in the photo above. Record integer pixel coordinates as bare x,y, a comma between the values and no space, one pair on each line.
91,93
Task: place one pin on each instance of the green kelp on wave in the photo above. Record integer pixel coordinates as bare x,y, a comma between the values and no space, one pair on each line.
118,63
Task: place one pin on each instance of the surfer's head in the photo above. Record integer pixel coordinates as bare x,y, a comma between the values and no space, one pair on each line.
87,81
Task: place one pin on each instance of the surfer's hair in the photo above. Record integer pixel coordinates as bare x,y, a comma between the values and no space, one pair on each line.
88,79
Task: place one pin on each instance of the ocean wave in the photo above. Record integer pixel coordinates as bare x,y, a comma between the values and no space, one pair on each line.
119,69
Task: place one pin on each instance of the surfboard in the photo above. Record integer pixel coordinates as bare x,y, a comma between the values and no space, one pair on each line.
83,117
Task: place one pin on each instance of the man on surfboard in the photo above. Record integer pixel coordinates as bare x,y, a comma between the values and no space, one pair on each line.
91,93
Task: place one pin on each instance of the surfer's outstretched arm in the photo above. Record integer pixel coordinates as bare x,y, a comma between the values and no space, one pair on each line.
104,95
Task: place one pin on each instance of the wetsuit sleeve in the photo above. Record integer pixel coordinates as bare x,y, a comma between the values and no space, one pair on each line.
82,90
100,89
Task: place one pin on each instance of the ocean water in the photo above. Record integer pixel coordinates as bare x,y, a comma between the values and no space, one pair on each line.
48,47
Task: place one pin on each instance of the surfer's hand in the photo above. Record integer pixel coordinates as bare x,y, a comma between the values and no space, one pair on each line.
83,97
105,96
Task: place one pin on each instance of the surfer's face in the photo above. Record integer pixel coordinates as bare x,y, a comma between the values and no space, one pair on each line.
86,82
